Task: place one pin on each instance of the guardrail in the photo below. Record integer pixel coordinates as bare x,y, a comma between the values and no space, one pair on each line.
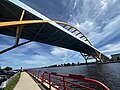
65,81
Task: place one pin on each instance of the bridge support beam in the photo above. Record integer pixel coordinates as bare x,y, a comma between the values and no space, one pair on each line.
18,33
19,29
96,56
84,57
10,48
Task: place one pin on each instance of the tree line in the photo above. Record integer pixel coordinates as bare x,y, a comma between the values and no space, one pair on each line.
67,64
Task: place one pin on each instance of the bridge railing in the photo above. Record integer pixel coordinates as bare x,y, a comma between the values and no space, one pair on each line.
55,81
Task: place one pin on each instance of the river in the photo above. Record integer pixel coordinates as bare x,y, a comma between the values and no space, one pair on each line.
109,74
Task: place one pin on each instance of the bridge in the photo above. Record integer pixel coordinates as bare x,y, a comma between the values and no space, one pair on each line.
21,21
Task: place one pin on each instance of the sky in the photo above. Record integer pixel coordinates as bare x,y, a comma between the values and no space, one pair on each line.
98,20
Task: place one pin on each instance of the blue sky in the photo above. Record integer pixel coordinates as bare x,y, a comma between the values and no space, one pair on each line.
97,19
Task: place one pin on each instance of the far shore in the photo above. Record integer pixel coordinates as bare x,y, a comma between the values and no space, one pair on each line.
79,64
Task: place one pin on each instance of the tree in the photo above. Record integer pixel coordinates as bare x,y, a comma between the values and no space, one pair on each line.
8,68
62,65
65,64
73,64
68,64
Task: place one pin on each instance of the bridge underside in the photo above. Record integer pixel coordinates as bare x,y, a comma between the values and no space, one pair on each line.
40,32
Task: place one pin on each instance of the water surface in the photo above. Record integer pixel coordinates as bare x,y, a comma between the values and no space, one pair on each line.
109,74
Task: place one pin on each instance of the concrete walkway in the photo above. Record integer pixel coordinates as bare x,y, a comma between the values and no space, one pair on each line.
26,83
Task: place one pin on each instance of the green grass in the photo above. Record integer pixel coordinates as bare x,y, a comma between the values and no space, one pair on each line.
11,84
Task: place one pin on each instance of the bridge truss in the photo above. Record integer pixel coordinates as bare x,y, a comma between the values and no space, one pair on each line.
21,23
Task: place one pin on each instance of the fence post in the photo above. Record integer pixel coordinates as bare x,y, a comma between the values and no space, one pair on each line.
64,83
43,77
38,75
33,73
49,81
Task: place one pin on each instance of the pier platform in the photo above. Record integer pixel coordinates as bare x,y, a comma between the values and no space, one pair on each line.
26,83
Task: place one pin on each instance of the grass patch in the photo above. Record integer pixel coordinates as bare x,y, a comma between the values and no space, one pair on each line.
11,84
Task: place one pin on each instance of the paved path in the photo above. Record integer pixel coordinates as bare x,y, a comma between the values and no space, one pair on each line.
26,83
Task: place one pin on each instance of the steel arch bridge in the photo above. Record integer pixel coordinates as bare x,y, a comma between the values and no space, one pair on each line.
21,22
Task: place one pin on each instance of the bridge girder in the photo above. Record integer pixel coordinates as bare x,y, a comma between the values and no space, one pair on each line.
15,17
20,24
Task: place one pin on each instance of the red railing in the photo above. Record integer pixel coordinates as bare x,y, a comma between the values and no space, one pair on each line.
65,81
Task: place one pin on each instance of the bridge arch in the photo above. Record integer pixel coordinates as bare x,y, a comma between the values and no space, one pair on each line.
70,28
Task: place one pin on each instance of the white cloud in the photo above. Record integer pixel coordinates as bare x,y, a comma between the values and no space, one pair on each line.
18,54
33,45
65,55
75,5
95,23
104,4
99,22
84,26
36,59
70,15
111,48
60,52
108,31
2,47
94,33
114,1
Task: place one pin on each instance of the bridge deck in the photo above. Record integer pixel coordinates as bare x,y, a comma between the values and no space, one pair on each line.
48,33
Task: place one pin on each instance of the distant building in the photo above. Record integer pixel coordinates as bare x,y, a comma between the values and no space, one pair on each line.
115,57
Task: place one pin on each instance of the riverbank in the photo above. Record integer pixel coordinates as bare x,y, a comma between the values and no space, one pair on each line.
12,82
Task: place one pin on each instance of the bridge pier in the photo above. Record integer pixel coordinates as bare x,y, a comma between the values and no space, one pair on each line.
86,61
